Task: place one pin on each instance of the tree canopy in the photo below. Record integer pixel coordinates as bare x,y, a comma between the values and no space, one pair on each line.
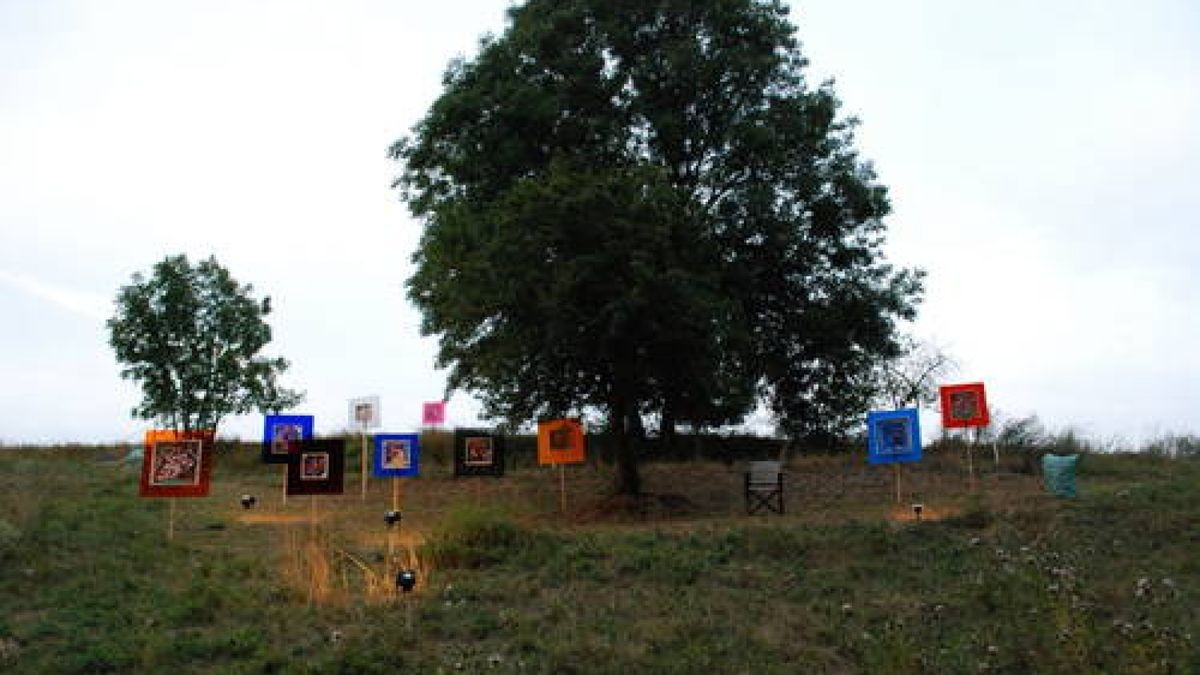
190,336
642,207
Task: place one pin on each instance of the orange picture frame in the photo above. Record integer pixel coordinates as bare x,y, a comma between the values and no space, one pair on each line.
561,441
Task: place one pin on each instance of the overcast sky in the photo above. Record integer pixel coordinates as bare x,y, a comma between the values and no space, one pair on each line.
1043,161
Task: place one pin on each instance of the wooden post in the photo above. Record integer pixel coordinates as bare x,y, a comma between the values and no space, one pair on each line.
363,463
562,489
171,520
896,467
284,486
970,466
395,494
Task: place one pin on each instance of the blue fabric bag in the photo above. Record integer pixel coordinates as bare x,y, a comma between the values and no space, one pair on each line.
1058,471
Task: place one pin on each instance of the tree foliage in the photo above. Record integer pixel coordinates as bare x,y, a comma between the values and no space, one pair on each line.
190,336
643,207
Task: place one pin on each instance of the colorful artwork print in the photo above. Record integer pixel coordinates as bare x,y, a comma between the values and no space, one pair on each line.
433,413
283,434
893,436
561,441
964,405
477,453
396,455
176,463
316,468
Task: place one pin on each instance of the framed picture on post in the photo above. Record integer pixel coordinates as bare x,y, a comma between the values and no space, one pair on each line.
964,405
478,452
176,464
284,433
365,413
316,468
397,455
561,441
893,436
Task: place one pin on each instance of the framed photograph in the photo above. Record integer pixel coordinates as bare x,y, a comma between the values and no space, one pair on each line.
284,433
561,441
893,436
316,467
397,455
176,464
964,405
364,412
478,453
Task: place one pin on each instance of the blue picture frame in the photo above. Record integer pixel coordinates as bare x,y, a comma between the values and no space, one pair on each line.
893,436
279,434
396,455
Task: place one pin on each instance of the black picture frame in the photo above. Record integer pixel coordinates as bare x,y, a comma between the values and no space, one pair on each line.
478,452
317,467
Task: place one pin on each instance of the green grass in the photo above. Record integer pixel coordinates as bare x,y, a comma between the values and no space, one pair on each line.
1009,581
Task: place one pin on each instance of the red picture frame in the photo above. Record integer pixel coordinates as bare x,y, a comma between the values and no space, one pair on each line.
964,405
176,463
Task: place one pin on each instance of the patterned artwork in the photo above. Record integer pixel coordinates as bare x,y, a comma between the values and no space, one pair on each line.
893,436
397,455
176,464
964,405
316,467
478,453
284,433
561,441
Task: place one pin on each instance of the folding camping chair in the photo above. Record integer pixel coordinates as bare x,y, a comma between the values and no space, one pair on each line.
764,487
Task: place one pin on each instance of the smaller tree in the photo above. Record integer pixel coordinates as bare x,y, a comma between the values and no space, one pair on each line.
911,378
191,337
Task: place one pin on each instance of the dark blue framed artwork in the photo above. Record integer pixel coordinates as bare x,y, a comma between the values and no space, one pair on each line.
893,436
282,435
397,455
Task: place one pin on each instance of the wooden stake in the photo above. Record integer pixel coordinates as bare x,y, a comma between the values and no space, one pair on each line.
171,520
562,489
312,515
363,464
284,486
395,494
970,468
897,472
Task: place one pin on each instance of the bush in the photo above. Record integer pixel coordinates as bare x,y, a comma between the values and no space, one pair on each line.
473,536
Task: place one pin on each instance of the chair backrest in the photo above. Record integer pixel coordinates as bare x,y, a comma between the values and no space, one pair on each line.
764,472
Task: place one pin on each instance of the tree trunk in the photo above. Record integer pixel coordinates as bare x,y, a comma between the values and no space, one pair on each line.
628,482
666,429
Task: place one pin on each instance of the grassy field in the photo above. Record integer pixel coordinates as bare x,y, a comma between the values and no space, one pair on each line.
1002,578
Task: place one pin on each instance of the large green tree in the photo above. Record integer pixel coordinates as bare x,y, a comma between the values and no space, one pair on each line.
640,206
191,337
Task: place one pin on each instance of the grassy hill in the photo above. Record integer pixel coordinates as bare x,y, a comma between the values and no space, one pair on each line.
1003,578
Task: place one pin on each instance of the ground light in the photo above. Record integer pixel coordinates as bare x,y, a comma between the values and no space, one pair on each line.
406,580
248,501
391,517
917,508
